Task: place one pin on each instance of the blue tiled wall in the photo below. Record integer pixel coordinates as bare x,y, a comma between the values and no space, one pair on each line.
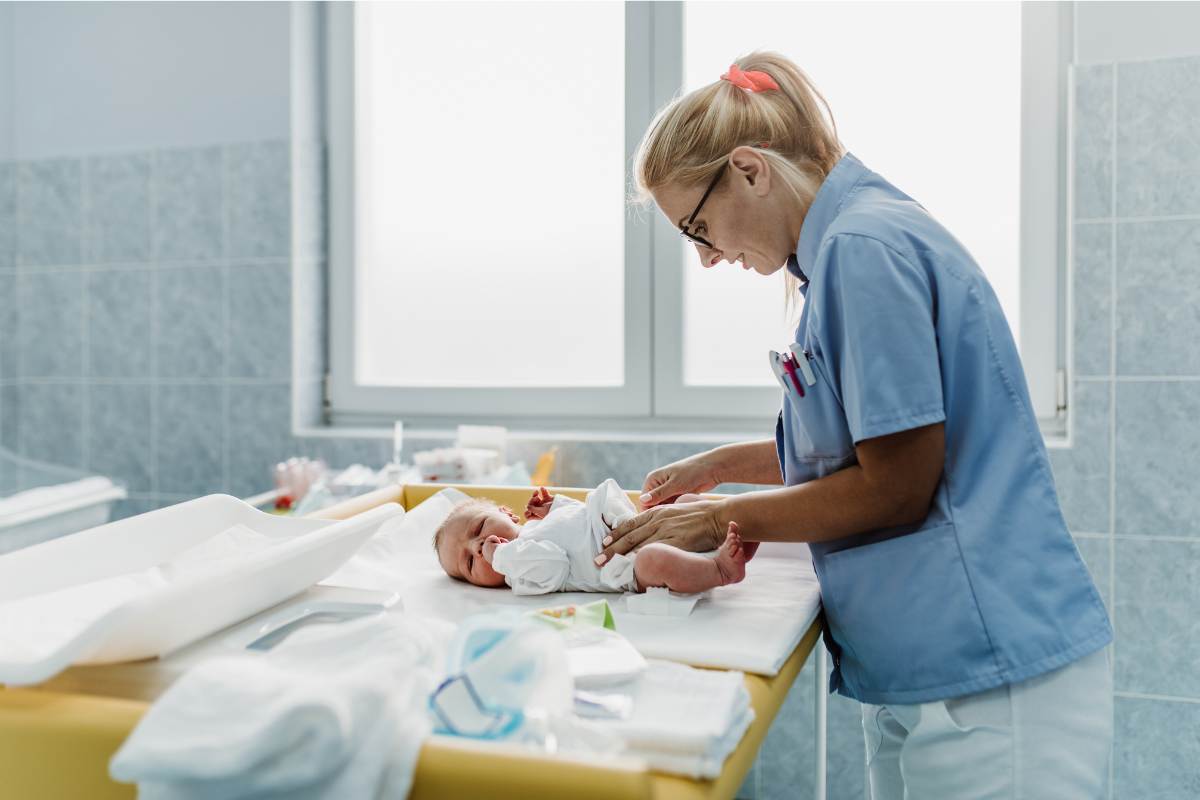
1128,483
145,319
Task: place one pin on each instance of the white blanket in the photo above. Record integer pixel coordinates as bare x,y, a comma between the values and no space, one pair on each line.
332,712
751,626
686,721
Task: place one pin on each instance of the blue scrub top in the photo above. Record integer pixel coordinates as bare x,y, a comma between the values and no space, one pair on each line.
903,330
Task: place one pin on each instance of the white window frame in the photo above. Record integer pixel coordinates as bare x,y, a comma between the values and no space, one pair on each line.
654,396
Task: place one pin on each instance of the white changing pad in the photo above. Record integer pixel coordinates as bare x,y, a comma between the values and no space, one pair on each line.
751,626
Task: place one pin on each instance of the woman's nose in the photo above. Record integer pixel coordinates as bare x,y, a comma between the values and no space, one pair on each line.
709,257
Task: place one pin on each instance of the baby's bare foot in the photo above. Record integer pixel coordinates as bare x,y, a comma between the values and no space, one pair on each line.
731,557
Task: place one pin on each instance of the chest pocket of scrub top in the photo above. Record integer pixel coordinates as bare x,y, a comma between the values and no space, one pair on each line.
813,437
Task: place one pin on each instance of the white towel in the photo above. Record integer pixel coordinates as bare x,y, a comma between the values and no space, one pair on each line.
335,711
686,720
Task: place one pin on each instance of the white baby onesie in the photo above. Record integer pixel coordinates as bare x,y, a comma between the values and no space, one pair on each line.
555,554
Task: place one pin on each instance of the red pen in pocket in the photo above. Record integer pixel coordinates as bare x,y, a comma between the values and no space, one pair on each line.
789,367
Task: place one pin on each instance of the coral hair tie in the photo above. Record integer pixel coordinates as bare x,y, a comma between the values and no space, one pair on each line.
752,81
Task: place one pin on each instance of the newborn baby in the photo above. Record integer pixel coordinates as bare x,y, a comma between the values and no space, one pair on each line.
554,551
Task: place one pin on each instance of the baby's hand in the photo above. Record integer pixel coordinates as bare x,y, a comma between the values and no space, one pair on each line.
489,547
539,504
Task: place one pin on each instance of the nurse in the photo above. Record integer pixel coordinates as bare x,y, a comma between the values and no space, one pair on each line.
957,608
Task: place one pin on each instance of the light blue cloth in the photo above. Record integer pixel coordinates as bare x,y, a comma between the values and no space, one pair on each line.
905,331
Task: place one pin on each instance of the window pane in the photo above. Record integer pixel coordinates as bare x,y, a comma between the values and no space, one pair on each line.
937,115
489,191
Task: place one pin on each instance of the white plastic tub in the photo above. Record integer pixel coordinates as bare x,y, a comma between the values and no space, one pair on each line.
39,501
52,617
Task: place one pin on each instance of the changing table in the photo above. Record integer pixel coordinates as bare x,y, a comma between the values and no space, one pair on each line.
57,744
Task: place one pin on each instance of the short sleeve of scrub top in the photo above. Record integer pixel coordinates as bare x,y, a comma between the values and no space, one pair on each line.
874,314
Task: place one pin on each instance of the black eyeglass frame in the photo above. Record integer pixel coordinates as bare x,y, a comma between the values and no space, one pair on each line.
683,230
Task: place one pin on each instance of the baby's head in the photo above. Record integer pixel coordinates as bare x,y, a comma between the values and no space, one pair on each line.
474,526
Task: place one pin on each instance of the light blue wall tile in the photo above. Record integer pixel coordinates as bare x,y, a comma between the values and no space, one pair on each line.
8,214
1081,471
164,500
132,506
786,767
117,209
1158,155
10,414
1095,553
1158,292
190,439
260,200
1157,595
846,755
586,464
1158,450
259,435
9,326
340,452
51,423
1092,281
1093,141
51,308
190,325
1157,750
785,761
119,323
260,321
119,429
188,212
49,212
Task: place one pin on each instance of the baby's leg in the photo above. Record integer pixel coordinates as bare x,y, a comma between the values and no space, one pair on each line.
660,564
750,548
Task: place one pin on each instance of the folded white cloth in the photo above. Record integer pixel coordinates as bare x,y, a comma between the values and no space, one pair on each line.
334,711
686,720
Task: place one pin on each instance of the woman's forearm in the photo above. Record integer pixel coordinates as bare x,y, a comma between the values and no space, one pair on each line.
748,462
892,484
829,508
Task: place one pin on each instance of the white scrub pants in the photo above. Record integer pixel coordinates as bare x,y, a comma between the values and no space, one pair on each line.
1047,737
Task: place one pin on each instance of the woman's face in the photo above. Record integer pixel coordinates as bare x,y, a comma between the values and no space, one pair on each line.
745,221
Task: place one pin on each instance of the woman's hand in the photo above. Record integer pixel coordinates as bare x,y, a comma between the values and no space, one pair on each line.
688,526
692,474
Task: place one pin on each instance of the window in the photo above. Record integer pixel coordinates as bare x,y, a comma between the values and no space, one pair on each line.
483,269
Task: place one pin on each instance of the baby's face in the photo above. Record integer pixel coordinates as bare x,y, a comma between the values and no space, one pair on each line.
469,539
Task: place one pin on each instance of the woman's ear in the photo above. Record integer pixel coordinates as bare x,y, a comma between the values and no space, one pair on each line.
751,169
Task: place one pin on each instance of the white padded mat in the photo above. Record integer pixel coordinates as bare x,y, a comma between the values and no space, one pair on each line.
751,626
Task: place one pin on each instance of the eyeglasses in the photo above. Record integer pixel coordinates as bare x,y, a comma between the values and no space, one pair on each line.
683,230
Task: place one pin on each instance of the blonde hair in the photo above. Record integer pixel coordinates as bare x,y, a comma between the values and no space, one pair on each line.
691,137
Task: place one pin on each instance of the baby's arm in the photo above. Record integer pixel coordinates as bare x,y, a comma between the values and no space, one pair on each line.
532,566
539,505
